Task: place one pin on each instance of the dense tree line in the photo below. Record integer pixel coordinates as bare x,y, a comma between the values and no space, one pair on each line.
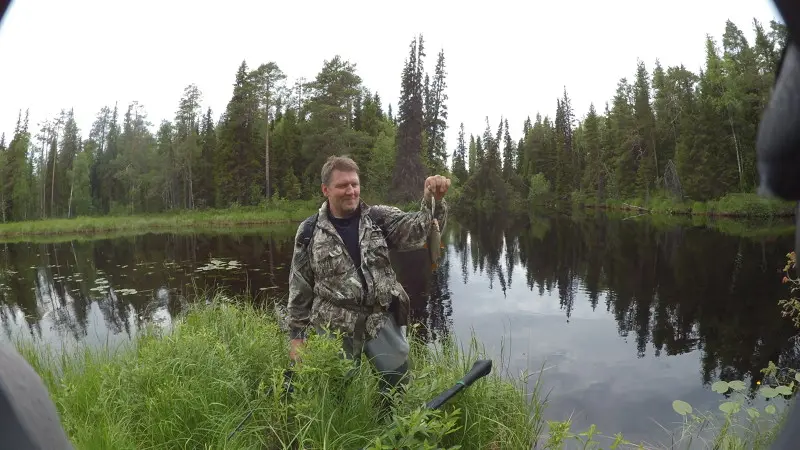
271,140
689,135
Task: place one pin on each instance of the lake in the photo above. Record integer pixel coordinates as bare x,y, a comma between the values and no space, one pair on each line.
625,313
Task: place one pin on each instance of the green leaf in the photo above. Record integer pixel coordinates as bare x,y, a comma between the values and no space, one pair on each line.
681,407
768,392
797,376
737,385
753,413
770,409
729,407
720,387
784,390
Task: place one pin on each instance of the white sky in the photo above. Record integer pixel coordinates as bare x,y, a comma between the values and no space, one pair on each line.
505,57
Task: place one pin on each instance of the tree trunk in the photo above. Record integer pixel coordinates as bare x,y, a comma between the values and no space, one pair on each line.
266,148
2,201
738,156
71,186
191,189
53,186
43,199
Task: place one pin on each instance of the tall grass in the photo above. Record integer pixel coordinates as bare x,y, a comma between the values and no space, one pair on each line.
222,363
274,212
730,205
191,386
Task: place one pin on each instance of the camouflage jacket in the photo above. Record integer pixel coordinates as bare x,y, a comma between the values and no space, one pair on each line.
324,286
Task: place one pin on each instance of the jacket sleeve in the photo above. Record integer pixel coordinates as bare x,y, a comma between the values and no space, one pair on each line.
405,231
301,291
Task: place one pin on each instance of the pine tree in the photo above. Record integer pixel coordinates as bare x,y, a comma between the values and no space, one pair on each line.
644,142
509,153
409,171
459,157
436,117
594,158
473,155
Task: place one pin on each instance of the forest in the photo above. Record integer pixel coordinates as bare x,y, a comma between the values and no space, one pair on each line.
667,132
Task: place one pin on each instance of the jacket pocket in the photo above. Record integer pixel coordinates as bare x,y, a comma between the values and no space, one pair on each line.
378,252
331,261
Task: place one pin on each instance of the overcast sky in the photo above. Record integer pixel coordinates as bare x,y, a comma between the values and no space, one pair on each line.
505,57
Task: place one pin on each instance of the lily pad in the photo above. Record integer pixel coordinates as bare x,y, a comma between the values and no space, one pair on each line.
784,390
720,387
681,407
126,291
729,407
770,409
768,392
753,413
737,385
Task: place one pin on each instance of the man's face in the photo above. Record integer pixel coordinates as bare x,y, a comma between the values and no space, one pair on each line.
343,192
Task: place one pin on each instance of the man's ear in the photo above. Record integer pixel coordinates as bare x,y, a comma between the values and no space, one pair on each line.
324,189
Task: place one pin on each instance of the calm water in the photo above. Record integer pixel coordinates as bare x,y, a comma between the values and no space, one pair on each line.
625,315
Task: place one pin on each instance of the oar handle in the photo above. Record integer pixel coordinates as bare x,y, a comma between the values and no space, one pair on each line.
442,398
480,369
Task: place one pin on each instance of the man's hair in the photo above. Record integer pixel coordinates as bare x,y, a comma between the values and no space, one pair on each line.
343,163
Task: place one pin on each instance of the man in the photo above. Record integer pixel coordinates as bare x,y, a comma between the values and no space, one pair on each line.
342,280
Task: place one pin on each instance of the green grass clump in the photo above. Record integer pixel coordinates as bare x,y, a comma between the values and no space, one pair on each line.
750,205
191,386
275,212
746,204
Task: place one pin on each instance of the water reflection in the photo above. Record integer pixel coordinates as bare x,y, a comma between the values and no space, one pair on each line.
107,289
671,290
631,313
627,315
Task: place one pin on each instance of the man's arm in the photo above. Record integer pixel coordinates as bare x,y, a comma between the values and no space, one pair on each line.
301,292
406,231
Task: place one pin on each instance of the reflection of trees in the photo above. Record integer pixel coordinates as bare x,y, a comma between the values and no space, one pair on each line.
672,288
429,291
53,284
56,284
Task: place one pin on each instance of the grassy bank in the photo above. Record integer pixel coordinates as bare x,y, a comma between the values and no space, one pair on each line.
275,212
278,211
745,227
192,386
731,205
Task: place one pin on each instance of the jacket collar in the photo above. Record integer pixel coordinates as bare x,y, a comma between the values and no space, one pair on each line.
324,222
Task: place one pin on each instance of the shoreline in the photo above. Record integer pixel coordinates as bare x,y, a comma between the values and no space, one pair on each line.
92,225
733,207
691,213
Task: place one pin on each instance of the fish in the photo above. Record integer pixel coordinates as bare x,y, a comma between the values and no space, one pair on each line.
434,241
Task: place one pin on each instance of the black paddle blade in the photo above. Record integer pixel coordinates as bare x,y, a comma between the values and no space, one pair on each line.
480,369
